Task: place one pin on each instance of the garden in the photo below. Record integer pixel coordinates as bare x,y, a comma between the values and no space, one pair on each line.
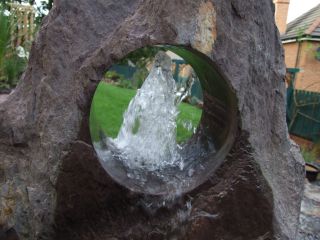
149,120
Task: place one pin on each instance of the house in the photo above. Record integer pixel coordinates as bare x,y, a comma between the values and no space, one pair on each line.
301,43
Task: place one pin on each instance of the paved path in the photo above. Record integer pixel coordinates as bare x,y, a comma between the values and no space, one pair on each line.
310,212
3,97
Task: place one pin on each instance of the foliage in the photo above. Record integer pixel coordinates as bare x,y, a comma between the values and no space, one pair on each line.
308,156
125,83
119,79
310,47
42,9
11,65
139,76
113,75
141,57
137,80
311,154
110,102
316,149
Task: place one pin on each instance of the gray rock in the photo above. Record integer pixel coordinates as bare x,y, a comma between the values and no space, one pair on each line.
57,188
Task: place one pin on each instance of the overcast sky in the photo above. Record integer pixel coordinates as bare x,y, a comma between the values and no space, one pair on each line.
298,7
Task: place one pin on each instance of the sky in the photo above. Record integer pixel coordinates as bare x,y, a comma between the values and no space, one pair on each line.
298,7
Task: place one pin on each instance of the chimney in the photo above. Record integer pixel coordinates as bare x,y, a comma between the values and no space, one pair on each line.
281,14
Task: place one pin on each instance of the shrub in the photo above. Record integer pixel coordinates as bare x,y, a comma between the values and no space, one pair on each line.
311,154
11,65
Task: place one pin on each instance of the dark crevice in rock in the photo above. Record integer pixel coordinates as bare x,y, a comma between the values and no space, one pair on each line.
92,206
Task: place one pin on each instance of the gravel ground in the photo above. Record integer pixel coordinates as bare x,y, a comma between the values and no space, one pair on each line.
310,212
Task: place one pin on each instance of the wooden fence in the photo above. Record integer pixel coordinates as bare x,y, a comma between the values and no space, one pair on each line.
23,25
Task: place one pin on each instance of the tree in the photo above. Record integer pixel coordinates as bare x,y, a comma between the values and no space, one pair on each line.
42,9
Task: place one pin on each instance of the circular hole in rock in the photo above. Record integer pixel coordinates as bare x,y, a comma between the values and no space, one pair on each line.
162,120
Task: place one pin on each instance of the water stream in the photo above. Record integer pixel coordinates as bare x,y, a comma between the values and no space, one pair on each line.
147,138
145,156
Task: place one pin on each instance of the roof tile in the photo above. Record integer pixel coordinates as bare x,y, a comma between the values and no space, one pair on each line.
307,24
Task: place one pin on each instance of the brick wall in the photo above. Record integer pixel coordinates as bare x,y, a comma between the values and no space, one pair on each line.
309,77
290,50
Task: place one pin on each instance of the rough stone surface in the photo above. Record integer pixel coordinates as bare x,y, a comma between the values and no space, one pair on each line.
51,184
309,228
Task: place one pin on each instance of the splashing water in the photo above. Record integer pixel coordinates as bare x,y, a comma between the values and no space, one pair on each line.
147,138
145,156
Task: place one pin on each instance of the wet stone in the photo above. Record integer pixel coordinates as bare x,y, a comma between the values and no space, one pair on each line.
44,125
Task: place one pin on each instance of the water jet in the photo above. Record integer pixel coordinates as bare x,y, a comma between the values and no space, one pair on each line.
149,159
53,185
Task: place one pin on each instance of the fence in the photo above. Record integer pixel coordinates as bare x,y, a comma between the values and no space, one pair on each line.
303,113
23,28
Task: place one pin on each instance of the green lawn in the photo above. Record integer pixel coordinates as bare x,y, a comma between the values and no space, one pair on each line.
110,102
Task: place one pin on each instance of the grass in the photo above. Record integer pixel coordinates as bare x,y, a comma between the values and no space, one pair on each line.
308,156
311,155
110,102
